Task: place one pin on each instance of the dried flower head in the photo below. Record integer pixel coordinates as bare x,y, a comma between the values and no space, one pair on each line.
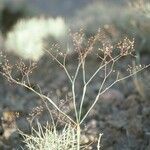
126,46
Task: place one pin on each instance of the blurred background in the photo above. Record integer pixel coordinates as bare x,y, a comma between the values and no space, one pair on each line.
125,124
129,18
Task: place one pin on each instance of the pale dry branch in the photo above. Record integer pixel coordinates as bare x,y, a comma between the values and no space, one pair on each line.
108,87
7,73
107,64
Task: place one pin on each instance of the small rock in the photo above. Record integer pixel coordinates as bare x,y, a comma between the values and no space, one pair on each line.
112,96
148,147
118,120
8,123
134,127
3,146
130,102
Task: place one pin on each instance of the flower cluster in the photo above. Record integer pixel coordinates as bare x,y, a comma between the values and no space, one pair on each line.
126,46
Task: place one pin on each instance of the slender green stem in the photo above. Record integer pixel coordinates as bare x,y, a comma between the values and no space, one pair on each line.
61,64
83,72
117,80
78,136
82,100
74,102
84,88
102,66
86,83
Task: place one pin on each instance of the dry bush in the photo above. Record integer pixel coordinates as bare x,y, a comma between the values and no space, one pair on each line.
109,56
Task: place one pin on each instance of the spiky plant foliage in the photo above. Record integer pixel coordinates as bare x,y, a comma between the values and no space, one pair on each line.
49,138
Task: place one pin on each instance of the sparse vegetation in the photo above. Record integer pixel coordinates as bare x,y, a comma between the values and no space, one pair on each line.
108,55
69,108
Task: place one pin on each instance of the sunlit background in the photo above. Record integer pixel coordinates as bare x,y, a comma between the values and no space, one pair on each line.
28,27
